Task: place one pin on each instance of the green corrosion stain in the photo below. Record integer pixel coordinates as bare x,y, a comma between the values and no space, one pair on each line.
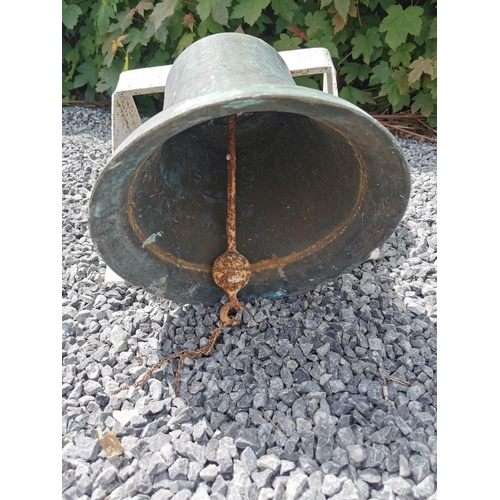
242,104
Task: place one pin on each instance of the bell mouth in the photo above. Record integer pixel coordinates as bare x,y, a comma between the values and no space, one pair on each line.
299,184
320,184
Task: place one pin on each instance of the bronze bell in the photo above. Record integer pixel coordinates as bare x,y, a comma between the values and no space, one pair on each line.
320,183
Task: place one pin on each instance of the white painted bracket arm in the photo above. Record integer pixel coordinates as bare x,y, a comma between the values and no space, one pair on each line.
316,61
124,115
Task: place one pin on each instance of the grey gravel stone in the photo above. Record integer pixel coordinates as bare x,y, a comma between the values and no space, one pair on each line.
371,476
271,462
348,492
179,468
119,338
262,478
415,391
295,484
86,448
345,437
425,488
183,494
162,495
248,460
286,466
201,493
404,466
209,473
357,452
419,467
399,485
331,485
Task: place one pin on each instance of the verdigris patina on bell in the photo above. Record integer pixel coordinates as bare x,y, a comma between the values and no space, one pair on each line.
320,183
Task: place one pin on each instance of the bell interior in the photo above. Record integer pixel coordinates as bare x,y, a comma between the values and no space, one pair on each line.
297,180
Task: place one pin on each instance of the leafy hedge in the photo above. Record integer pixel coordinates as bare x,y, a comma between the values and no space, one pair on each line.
385,51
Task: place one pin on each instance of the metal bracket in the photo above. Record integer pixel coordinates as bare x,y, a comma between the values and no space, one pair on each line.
125,117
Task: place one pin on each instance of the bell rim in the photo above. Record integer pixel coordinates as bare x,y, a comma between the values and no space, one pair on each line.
200,109
252,98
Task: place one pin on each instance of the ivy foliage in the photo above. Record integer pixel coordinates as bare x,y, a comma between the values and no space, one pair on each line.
384,51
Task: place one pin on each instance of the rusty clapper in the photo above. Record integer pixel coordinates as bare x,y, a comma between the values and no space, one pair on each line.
321,184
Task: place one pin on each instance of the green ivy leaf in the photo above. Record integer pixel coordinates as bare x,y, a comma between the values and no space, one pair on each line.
342,7
325,3
424,103
281,25
364,44
399,23
161,11
104,14
432,121
298,18
88,45
385,4
186,40
390,88
354,70
354,95
89,94
400,76
108,78
380,73
209,25
325,42
159,59
161,33
306,81
433,29
430,48
66,47
420,66
287,43
404,101
249,10
174,25
284,8
66,88
340,38
87,74
402,55
123,21
70,14
432,86
318,25
377,52
72,58
135,36
142,6
218,9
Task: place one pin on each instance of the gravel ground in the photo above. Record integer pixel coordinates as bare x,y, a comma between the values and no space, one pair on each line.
284,407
